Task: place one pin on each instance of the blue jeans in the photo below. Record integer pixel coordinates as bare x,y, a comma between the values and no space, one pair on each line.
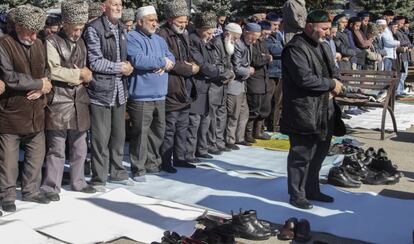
403,76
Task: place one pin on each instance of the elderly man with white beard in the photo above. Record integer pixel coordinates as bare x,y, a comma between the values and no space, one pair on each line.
149,55
224,46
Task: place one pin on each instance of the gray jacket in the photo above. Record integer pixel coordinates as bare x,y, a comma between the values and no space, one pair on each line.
241,60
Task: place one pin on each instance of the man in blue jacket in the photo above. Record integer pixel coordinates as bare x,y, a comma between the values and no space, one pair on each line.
148,85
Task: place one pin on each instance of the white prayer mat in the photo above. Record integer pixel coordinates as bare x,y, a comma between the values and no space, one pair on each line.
81,218
404,116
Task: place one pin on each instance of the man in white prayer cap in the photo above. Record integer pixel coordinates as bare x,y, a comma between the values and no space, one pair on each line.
152,60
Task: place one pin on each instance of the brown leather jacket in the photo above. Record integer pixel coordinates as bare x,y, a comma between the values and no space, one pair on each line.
68,105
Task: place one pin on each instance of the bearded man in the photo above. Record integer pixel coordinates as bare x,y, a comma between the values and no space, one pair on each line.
224,46
67,116
310,115
23,68
180,86
148,86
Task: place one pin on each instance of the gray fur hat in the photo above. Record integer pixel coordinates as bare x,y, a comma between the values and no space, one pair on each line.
205,20
128,14
30,17
176,8
95,9
75,12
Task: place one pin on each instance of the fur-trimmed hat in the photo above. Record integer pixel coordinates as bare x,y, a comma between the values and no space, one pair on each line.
176,8
205,20
128,14
95,10
75,12
30,17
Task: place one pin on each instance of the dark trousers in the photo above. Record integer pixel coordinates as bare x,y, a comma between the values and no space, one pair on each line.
259,106
148,128
218,121
305,158
175,136
197,135
107,143
276,106
34,148
55,159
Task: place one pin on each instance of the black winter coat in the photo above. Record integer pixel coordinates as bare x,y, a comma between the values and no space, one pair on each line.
306,89
256,83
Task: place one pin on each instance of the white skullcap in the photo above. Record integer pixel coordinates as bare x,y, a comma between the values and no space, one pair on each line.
233,27
381,22
144,11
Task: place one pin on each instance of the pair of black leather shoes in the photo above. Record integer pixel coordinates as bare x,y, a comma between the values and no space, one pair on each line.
338,176
247,226
294,229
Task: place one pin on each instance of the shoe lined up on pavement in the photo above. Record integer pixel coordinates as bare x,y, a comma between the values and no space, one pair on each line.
364,167
297,230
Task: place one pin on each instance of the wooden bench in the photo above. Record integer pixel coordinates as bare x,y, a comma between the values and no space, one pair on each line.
373,80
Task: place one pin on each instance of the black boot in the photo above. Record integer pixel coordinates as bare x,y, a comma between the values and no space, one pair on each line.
245,225
248,134
258,132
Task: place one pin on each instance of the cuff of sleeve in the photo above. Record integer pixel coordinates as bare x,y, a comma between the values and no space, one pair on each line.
39,84
163,63
118,68
332,85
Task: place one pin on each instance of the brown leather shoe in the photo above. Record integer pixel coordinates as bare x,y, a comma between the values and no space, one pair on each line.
288,230
302,233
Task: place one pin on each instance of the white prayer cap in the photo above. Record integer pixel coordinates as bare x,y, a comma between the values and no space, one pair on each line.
144,11
381,22
233,27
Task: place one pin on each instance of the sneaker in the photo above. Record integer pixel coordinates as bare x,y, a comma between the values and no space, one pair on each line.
88,189
52,196
8,206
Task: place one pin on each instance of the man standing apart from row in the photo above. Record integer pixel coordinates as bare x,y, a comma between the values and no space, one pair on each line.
310,116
